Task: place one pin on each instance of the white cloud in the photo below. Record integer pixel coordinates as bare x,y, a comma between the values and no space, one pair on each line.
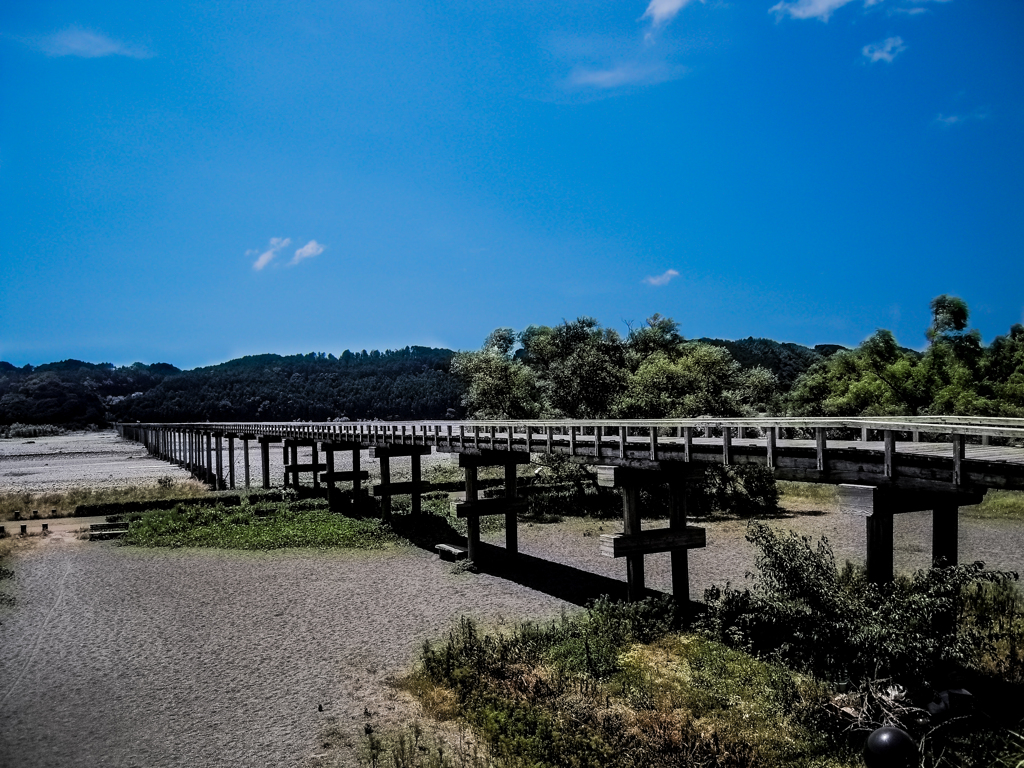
660,11
627,73
887,50
88,45
810,9
308,251
276,244
661,279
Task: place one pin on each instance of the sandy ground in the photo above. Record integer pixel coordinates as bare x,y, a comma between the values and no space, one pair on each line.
116,656
80,459
104,460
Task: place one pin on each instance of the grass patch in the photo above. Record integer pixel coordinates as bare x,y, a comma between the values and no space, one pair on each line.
810,493
257,527
998,505
614,686
65,502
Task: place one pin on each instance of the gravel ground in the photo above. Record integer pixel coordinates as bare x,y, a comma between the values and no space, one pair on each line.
78,460
116,656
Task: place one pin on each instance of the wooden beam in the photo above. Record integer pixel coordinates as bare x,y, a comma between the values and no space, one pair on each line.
397,449
610,476
294,469
649,542
395,489
344,477
488,458
483,507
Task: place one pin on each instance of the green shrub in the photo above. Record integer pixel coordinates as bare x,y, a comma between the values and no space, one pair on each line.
262,526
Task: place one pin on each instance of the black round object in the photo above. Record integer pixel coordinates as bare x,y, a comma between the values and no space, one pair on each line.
890,747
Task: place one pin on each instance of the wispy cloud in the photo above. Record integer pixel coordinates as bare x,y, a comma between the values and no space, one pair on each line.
661,279
626,73
887,50
810,9
823,9
660,11
948,121
88,45
308,251
276,244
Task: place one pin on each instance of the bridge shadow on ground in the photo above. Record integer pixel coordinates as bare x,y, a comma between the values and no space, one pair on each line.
558,580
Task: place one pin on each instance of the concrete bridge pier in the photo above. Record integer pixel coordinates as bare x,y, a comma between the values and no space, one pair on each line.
878,505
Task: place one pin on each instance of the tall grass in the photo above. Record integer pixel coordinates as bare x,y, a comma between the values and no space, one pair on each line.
614,687
66,501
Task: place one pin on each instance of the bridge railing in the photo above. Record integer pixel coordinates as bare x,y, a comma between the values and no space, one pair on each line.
981,427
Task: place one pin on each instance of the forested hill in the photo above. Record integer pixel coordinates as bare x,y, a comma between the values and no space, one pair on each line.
786,360
410,383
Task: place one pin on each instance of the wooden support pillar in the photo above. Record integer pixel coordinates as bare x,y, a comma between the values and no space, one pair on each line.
473,521
329,460
294,478
265,462
219,480
879,504
316,473
357,482
889,453
284,460
417,494
820,442
726,446
631,526
879,543
385,480
772,445
512,516
945,534
680,557
245,451
209,458
231,461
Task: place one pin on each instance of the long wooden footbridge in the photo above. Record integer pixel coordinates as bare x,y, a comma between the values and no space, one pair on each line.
882,467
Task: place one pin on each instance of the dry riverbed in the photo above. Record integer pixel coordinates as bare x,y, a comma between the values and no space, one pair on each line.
126,657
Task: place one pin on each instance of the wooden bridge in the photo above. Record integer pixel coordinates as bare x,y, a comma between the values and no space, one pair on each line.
882,467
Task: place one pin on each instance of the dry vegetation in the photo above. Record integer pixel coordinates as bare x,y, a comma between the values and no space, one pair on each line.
63,503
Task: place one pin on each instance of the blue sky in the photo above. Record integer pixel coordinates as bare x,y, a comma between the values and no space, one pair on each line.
191,182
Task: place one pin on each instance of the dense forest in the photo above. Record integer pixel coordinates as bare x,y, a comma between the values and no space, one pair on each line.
410,383
578,369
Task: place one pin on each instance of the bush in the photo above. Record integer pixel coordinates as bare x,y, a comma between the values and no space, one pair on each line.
615,687
920,630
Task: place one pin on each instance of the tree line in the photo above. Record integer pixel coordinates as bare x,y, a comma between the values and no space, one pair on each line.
409,383
578,369
581,370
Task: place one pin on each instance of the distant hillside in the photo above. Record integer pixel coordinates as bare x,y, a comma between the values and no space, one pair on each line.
787,361
408,383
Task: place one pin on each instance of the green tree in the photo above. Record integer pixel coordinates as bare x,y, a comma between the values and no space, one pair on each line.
698,380
498,385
